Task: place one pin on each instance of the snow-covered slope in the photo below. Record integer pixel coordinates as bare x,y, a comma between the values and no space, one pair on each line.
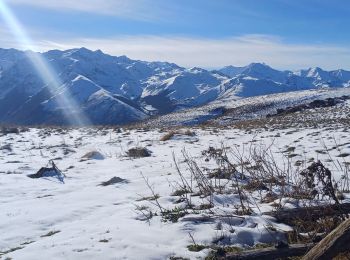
246,86
190,87
230,109
101,106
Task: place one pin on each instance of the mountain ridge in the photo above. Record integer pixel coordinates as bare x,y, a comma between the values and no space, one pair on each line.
117,90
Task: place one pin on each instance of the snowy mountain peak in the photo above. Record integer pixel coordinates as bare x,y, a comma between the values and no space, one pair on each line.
256,70
258,66
316,72
115,89
197,70
263,71
232,71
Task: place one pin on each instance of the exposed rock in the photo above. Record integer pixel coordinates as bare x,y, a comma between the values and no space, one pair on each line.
113,181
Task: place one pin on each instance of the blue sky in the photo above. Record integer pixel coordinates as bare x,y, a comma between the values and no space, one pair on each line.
286,34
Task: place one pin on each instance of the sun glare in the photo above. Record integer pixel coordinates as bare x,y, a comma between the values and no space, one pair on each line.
71,111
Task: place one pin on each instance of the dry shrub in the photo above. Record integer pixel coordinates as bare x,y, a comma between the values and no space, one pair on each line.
138,152
168,136
9,130
171,134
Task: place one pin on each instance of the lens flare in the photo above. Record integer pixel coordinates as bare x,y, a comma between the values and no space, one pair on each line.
71,111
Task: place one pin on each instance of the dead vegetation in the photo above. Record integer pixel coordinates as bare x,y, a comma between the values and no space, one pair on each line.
171,134
256,177
138,152
5,130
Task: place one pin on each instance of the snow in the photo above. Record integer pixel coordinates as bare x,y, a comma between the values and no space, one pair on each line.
81,219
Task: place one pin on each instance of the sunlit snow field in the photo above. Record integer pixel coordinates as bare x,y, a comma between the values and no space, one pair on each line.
79,219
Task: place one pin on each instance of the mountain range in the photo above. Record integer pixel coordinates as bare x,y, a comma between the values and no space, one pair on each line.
118,90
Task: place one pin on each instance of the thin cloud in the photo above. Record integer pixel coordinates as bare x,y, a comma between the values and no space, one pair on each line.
204,52
210,53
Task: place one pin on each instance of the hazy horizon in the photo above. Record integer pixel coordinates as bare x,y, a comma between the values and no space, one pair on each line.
284,34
